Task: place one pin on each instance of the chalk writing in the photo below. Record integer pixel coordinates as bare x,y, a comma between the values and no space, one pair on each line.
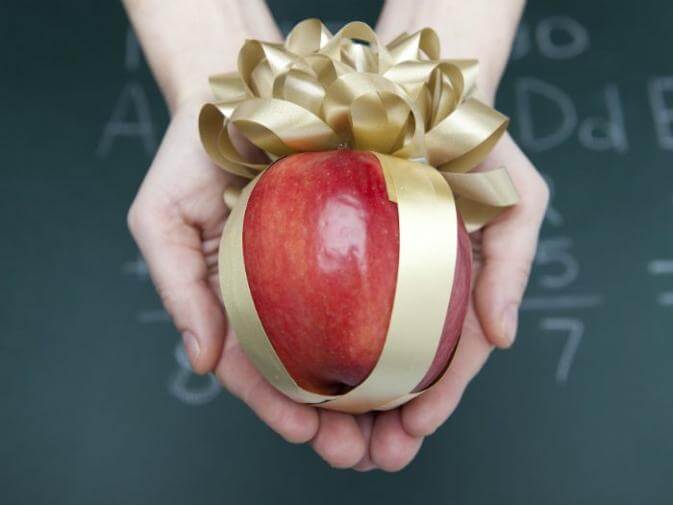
187,386
130,116
575,330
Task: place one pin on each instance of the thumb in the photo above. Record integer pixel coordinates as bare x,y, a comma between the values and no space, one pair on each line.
175,258
508,250
498,294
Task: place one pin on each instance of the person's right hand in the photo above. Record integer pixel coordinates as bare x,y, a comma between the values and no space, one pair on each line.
177,220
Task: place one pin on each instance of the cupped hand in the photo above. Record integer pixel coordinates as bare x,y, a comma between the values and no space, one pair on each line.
504,251
177,220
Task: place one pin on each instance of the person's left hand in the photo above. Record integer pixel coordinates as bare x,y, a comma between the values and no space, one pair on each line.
504,252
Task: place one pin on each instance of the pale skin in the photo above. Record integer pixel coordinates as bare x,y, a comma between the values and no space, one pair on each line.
178,215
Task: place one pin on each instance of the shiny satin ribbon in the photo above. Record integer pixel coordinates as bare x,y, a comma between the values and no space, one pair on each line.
319,91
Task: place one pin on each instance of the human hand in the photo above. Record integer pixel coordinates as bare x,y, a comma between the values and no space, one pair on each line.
503,251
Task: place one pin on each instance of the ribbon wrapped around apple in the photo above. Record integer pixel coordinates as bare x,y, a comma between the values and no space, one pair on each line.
345,263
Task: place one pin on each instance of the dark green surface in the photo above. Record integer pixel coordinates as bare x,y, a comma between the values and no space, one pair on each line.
87,412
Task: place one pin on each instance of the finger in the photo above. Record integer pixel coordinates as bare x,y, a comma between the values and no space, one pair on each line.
339,440
508,250
366,424
294,422
392,448
423,415
172,250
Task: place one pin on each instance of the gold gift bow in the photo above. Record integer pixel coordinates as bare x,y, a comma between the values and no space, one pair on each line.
318,92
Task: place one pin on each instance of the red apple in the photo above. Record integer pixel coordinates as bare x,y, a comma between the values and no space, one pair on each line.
321,247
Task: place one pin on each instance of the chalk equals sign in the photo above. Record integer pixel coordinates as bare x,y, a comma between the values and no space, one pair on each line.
561,302
662,267
137,267
153,316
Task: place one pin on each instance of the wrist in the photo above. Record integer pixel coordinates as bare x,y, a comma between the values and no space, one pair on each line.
189,97
487,87
184,44
480,29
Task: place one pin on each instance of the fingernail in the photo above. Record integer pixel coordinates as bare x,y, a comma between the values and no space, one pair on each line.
191,346
510,321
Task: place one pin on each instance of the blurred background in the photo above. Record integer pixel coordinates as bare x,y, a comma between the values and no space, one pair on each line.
98,402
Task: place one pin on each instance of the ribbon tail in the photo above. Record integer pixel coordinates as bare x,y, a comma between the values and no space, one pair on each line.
476,215
491,188
482,195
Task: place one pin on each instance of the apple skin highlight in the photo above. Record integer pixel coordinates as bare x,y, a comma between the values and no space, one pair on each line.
321,250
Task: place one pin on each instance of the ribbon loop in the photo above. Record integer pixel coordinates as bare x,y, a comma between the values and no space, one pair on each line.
227,87
465,137
378,121
281,127
423,43
342,44
307,37
300,88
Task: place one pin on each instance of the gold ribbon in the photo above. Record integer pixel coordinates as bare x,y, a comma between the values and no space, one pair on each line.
319,91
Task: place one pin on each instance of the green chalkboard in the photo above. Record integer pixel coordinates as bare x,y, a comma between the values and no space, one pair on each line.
98,403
